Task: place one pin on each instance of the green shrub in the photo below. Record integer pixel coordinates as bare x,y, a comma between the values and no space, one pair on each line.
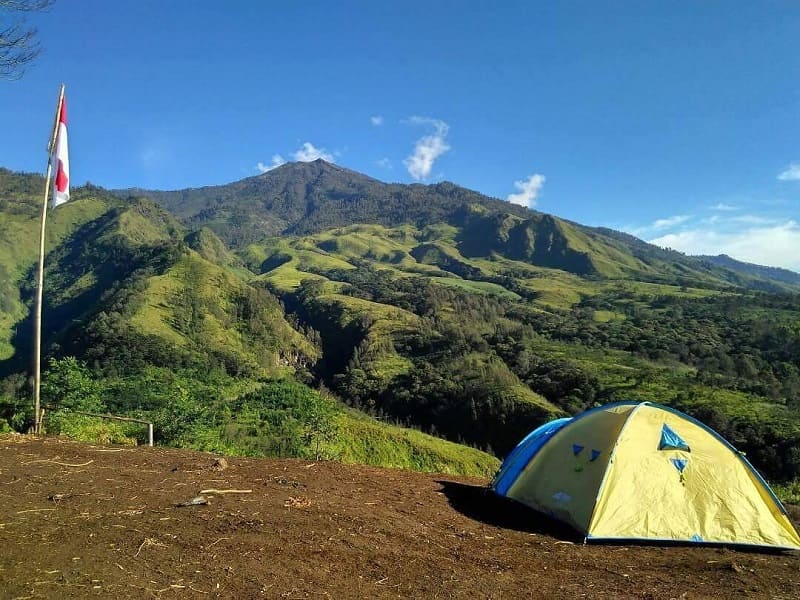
282,418
68,384
89,429
788,492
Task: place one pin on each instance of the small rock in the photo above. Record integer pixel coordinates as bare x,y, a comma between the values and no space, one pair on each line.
220,464
196,501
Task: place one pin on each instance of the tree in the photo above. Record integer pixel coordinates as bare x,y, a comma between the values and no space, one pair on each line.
68,384
18,44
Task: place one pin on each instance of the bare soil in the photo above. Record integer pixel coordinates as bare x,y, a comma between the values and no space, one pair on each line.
78,521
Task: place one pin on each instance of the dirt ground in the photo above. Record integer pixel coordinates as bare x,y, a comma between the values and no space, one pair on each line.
78,521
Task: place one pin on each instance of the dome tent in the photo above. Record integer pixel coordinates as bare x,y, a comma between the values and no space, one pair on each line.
641,471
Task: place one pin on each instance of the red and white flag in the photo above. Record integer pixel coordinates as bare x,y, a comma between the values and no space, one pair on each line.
61,159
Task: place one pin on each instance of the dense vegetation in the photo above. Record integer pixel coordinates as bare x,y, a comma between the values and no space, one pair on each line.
295,313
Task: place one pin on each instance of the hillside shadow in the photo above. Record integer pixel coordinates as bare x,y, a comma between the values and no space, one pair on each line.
481,504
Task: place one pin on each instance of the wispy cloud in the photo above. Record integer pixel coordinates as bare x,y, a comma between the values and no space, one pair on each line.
670,221
309,152
528,190
790,173
724,207
754,220
384,163
774,245
277,161
376,120
427,148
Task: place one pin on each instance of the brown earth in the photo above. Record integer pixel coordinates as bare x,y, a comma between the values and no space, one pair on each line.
78,521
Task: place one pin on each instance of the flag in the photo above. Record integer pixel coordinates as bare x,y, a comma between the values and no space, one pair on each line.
61,159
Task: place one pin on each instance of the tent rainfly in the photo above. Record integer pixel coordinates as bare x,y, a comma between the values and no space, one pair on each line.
641,471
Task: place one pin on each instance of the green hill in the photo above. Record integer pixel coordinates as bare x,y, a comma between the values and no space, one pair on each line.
433,307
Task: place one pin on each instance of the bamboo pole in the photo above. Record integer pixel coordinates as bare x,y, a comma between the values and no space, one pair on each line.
37,317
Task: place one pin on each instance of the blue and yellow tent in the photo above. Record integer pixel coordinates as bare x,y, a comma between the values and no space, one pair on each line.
641,471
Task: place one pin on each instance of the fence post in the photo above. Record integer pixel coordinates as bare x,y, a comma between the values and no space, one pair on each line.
150,434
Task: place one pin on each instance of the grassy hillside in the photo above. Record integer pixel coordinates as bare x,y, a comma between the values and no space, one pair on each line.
437,336
20,214
363,440
309,198
141,301
432,307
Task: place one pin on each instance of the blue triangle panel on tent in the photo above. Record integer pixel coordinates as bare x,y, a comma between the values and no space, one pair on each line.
680,463
671,440
576,449
595,454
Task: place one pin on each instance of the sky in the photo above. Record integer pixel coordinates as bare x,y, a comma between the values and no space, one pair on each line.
678,122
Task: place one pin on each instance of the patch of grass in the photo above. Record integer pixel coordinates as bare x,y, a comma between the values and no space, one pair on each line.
91,429
363,440
605,316
480,287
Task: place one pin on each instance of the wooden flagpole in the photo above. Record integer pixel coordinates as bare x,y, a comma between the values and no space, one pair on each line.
37,317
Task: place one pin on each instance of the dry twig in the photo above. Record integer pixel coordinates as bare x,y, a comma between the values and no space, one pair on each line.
149,542
60,464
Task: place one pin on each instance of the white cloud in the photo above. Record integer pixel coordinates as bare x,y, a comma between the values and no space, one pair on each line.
790,173
277,161
376,120
308,152
774,246
723,206
528,190
755,220
427,148
384,163
670,221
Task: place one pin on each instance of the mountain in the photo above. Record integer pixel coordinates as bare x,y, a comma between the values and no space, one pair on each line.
211,311
758,271
307,198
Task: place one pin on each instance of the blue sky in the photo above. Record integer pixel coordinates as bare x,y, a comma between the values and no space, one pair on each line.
678,122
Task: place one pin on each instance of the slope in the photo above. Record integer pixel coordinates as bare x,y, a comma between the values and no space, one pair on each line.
20,213
307,198
166,322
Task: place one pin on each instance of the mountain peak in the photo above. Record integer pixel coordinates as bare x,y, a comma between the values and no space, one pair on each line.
300,167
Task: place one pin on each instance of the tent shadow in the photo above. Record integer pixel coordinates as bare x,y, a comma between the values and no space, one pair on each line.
482,504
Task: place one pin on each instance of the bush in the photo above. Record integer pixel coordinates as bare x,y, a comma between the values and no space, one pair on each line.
90,429
789,492
69,385
283,418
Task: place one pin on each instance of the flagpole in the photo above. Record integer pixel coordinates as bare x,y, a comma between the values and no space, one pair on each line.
37,317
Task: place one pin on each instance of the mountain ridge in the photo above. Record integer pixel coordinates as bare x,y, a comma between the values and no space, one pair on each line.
307,197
